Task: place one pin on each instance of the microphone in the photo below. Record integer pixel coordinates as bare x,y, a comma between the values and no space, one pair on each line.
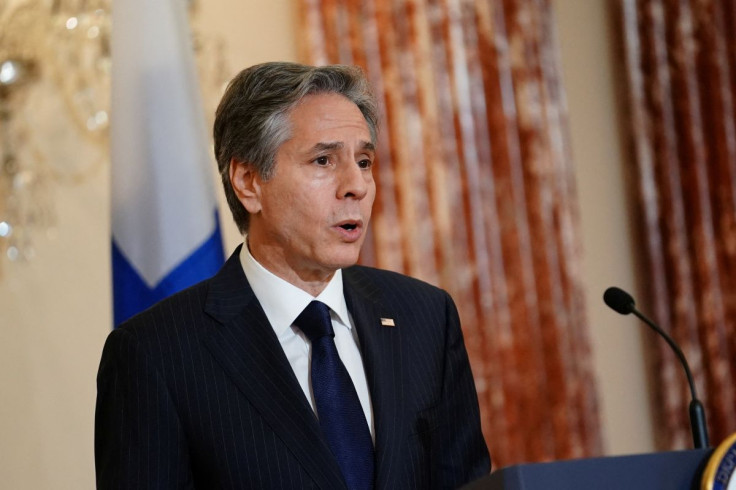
622,302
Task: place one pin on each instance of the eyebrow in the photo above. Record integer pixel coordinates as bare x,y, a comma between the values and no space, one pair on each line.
339,145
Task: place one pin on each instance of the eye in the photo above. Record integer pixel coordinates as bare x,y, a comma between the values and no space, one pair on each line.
322,161
366,163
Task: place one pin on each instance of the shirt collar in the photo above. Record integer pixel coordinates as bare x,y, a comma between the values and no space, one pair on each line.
282,301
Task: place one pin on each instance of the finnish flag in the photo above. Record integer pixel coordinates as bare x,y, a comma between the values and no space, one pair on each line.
165,230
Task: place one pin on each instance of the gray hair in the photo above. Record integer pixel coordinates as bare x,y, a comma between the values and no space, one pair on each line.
252,120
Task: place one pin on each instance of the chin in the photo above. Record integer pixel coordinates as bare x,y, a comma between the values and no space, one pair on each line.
345,263
344,259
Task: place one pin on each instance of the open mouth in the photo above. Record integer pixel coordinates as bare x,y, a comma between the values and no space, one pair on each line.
350,230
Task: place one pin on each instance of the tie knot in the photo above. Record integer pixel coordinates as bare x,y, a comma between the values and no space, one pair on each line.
315,321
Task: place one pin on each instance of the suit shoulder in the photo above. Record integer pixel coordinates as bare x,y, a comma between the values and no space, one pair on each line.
390,280
170,313
168,331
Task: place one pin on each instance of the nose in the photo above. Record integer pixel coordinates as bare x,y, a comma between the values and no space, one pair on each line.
354,182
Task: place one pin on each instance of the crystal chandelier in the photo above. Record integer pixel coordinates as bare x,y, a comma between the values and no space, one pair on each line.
54,104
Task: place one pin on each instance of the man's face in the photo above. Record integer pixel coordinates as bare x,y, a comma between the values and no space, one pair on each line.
310,218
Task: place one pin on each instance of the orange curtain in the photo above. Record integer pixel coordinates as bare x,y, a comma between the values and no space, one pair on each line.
680,59
476,194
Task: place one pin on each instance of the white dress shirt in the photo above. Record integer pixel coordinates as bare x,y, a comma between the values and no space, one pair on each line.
283,302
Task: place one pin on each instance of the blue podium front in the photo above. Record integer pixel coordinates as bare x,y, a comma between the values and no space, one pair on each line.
675,470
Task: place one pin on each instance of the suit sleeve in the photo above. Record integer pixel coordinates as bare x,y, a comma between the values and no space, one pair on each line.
463,452
139,442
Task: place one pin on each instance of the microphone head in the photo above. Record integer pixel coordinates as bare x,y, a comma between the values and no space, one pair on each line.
619,300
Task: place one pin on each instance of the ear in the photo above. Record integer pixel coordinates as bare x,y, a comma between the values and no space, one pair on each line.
247,185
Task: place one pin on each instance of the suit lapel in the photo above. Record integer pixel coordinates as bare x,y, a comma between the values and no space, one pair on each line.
381,349
246,347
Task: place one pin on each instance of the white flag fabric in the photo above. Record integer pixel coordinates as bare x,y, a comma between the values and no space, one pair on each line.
165,231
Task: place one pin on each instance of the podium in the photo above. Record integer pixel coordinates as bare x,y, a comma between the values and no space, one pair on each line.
675,470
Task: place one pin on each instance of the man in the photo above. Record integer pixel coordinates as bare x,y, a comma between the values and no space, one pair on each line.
292,367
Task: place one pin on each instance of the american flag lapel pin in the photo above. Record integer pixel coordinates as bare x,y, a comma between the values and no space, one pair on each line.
388,322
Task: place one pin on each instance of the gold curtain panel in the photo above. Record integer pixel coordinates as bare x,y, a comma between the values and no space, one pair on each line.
680,60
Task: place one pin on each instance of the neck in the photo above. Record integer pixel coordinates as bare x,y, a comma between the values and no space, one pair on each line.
312,281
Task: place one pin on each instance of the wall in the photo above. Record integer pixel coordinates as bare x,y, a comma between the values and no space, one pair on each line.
591,75
55,310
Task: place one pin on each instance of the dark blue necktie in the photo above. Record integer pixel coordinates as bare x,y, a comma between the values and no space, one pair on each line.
338,407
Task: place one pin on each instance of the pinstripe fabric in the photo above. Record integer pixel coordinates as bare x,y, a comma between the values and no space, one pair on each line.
197,393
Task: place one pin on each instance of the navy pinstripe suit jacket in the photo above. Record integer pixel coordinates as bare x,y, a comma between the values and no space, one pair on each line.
196,392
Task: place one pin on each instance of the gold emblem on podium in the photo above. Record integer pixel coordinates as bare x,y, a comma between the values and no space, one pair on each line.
720,472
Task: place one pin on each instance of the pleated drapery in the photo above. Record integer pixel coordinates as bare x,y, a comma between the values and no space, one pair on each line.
476,194
680,59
